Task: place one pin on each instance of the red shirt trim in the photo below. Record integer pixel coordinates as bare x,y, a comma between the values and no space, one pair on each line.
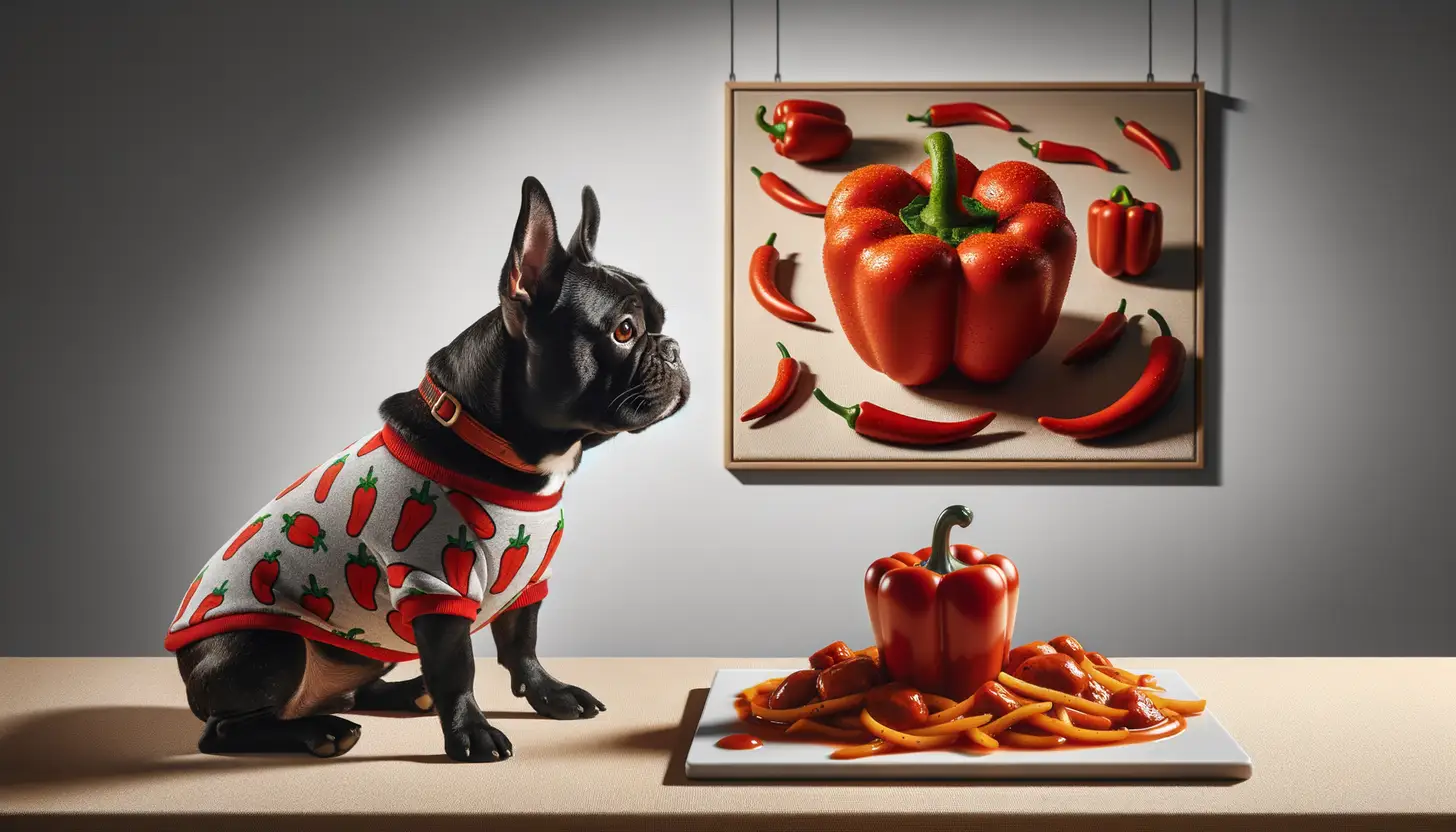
533,594
488,492
414,606
286,623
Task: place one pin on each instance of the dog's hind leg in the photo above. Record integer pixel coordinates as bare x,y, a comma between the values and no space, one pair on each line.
267,691
408,696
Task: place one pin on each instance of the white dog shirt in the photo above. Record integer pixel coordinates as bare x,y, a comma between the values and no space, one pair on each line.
373,537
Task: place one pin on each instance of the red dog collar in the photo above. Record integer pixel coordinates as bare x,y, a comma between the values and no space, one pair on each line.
447,411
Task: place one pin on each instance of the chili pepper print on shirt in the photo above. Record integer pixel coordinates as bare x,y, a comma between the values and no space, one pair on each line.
354,568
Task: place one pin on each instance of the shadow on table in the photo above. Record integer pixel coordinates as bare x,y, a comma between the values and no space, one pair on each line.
693,712
83,745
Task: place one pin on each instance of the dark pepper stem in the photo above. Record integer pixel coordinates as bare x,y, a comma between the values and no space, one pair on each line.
1162,324
782,349
940,543
850,414
1121,125
1122,307
771,238
944,210
1122,196
924,119
1034,148
775,130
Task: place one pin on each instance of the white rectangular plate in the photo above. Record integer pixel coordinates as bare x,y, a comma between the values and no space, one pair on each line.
1204,751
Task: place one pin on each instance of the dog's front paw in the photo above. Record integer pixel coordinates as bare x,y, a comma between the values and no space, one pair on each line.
469,738
559,700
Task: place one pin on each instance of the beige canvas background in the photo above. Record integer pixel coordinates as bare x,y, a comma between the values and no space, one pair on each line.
806,432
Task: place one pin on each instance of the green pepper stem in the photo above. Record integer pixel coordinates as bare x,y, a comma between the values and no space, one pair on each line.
1122,307
924,119
944,210
771,238
850,414
939,561
1122,196
782,349
1029,146
1162,324
1121,125
775,130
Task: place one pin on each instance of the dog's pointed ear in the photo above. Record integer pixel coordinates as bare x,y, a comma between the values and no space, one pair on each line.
534,247
584,241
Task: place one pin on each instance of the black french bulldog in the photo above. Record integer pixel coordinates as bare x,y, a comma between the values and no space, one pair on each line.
573,356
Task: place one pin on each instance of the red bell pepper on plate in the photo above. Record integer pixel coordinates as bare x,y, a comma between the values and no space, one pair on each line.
1124,234
948,264
943,616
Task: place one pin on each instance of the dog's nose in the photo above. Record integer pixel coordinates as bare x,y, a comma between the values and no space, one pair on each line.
667,348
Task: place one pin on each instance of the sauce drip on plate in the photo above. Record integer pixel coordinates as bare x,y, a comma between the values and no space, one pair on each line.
740,742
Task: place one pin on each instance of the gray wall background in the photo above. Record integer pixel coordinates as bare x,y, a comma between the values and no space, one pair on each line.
227,230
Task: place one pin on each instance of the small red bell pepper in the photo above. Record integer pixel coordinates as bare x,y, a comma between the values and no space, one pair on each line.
943,617
806,131
948,264
1124,235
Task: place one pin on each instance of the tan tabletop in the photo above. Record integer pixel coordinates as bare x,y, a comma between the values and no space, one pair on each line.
109,743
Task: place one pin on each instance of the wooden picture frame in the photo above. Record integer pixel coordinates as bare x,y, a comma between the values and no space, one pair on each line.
735,271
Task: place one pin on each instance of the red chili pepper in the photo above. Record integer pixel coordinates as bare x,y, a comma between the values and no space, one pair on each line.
869,419
1152,390
787,195
783,387
762,270
1101,339
1050,151
961,112
1139,134
806,134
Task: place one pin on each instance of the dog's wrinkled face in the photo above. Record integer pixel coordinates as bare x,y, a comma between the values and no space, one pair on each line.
596,358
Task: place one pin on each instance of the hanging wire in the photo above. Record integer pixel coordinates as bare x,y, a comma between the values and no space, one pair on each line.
777,76
1150,41
731,75
1195,41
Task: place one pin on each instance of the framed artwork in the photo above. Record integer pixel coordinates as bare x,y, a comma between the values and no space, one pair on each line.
995,296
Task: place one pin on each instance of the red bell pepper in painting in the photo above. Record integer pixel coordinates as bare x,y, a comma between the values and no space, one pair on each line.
1124,235
971,271
943,617
806,131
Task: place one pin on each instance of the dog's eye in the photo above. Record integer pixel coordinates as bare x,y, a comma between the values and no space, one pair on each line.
625,331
